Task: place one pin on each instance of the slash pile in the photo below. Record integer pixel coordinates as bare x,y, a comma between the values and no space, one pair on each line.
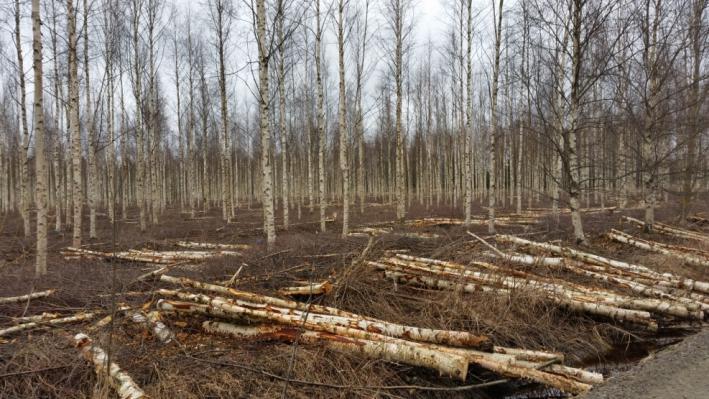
247,315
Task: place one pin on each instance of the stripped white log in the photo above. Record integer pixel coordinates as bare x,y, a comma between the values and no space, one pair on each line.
49,323
449,364
206,245
25,298
312,289
124,385
668,278
657,247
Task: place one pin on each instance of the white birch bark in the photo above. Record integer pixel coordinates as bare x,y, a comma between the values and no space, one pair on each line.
39,149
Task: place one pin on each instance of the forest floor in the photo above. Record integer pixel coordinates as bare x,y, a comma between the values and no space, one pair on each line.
44,363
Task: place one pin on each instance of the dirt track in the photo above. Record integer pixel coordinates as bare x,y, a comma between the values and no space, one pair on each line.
679,371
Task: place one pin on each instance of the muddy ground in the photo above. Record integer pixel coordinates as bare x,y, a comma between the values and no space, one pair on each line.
44,363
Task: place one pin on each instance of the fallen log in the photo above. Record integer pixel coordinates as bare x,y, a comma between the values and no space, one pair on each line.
124,385
273,313
322,288
25,298
48,323
669,230
485,283
670,305
668,278
449,364
40,317
206,245
657,247
152,321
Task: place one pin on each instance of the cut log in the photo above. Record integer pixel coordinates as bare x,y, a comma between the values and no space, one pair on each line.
40,317
249,296
206,245
449,364
273,313
25,298
666,304
670,230
322,288
657,247
48,323
668,278
152,321
487,282
124,385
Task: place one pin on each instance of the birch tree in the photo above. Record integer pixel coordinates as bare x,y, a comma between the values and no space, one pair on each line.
39,137
77,193
263,97
492,140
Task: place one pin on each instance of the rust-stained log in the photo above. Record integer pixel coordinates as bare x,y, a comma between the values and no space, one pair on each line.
124,385
449,364
387,329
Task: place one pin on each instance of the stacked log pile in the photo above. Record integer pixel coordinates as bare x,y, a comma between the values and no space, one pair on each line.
247,315
691,256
